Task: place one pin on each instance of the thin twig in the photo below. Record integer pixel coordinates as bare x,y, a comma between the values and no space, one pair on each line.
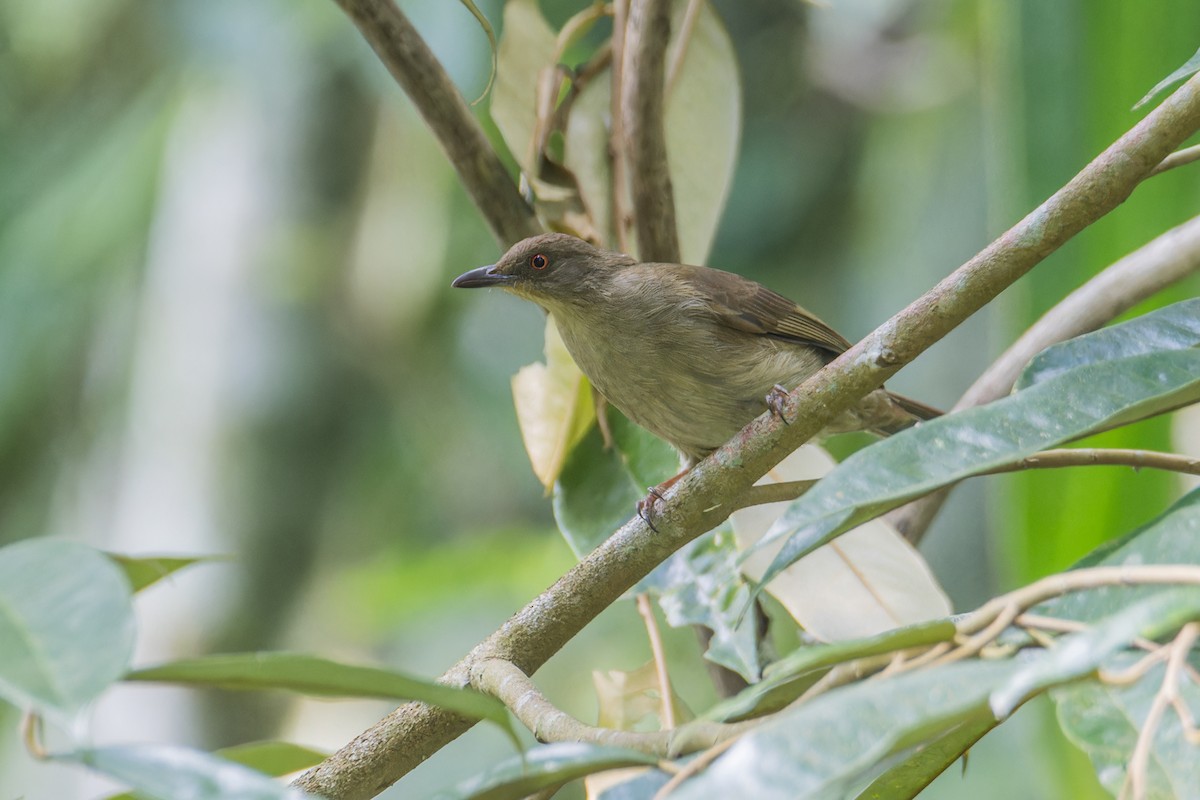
1177,159
31,734
1166,260
679,51
622,218
646,610
1135,777
417,70
693,768
1083,457
642,85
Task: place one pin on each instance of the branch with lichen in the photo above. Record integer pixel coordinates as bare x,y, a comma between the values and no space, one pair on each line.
703,498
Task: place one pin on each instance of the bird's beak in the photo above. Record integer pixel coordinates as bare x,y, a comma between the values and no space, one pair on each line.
480,277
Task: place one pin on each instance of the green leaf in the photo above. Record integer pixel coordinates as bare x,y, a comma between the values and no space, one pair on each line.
145,571
1081,653
702,127
909,778
66,625
167,772
545,767
649,459
1190,67
527,46
273,758
1104,721
1176,327
318,676
594,494
825,747
1083,400
792,675
701,585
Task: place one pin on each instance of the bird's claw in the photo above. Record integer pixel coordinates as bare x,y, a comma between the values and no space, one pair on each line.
645,506
776,400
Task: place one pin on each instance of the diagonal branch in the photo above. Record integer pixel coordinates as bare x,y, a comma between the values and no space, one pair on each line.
642,112
705,496
417,70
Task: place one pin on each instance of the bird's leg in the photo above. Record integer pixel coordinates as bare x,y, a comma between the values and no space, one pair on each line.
776,398
645,506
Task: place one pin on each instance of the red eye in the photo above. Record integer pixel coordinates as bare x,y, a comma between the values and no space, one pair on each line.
539,262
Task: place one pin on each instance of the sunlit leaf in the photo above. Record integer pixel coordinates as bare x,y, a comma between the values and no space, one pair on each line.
145,571
321,677
1189,68
868,581
66,625
943,451
544,767
554,407
702,125
167,772
1176,327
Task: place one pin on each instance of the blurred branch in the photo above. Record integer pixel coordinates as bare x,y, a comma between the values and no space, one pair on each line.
417,70
701,499
621,216
1148,270
642,110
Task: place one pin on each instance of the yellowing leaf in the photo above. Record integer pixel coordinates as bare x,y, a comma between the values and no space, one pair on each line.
865,582
554,407
628,698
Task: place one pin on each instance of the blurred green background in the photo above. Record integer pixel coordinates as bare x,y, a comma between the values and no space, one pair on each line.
226,242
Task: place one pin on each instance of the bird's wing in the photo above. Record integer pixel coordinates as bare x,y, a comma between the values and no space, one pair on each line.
743,305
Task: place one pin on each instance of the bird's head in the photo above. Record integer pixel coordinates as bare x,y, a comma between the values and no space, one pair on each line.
549,269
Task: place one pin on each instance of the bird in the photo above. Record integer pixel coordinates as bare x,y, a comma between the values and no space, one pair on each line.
690,353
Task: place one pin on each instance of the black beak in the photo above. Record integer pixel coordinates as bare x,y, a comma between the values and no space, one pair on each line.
483,276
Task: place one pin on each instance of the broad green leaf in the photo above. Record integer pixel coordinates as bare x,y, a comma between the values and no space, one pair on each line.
1081,653
702,127
272,758
909,778
650,460
594,495
869,581
542,768
1080,401
1189,68
1172,538
554,407
318,676
1176,327
1104,721
701,585
826,747
66,625
526,47
642,787
789,677
167,772
145,571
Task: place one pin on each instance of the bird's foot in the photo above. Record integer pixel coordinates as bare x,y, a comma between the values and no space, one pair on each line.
776,400
645,506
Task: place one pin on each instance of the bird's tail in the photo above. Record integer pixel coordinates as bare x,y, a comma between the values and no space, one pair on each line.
914,412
